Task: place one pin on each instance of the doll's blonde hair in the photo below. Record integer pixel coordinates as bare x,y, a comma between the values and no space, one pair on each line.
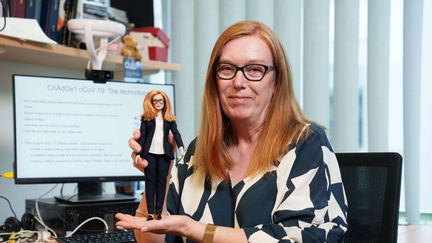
150,111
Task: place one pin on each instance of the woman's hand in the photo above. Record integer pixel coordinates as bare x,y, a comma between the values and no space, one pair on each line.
178,225
169,224
139,163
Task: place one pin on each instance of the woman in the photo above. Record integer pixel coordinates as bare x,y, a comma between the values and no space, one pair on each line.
156,124
259,170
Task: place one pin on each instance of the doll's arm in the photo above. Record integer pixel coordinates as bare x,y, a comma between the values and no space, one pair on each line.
141,139
176,134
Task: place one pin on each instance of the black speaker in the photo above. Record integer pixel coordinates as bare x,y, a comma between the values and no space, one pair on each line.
28,221
11,224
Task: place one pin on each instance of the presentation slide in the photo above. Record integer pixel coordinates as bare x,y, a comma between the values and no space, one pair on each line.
76,128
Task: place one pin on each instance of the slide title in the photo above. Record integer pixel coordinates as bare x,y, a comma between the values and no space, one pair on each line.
94,90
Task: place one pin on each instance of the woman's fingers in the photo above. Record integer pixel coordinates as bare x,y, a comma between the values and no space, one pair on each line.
133,156
126,221
140,163
168,224
171,140
133,141
137,134
134,145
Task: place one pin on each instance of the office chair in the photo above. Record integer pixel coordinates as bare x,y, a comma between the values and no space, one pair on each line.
372,184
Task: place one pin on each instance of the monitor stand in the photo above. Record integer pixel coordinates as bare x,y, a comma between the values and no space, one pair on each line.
91,192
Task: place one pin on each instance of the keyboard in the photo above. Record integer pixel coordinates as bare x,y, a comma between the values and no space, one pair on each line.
111,237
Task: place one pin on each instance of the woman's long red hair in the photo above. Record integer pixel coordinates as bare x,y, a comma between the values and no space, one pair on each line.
285,119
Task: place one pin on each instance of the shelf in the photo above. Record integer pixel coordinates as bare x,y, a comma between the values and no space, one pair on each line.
12,49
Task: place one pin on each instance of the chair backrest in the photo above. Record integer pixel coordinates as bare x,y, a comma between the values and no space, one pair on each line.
372,184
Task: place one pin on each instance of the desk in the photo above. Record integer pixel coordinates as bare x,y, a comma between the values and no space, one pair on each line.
415,233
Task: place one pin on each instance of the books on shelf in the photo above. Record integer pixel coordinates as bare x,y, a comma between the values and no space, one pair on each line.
91,9
18,8
68,10
49,18
33,10
53,15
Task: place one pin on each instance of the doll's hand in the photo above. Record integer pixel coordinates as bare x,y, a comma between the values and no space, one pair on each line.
181,153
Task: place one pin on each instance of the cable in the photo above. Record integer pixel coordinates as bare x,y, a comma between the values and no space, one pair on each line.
61,190
4,6
27,235
10,206
22,235
87,220
97,49
38,216
7,174
46,227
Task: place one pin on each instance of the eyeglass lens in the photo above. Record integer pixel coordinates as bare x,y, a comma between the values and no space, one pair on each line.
160,101
252,72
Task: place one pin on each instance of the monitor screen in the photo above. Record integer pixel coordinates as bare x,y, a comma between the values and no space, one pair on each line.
76,130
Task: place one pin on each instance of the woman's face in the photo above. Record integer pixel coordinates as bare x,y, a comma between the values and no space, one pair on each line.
158,102
243,100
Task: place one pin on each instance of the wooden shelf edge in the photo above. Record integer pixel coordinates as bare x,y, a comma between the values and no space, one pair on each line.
12,49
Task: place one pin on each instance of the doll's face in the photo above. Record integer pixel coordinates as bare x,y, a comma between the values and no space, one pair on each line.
158,102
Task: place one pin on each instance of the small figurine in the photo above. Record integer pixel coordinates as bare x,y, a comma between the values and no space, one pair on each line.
156,123
130,48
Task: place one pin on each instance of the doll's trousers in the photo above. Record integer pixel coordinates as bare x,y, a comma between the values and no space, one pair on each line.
155,181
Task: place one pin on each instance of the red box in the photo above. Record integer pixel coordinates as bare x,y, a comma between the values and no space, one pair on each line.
156,32
158,53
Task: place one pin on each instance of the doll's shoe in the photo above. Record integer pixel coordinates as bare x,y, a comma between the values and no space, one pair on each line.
150,217
158,216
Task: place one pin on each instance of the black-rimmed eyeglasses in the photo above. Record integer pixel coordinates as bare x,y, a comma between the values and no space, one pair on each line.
160,101
252,72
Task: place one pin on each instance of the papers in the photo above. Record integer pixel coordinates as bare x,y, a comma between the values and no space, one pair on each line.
25,29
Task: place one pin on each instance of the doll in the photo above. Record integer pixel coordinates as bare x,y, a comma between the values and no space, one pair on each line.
156,123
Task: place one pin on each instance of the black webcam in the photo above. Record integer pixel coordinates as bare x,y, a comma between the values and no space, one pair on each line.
99,76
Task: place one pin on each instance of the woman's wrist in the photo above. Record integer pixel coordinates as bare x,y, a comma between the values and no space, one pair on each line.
193,230
209,233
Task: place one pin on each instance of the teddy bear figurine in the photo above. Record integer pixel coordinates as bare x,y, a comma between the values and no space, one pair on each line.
130,48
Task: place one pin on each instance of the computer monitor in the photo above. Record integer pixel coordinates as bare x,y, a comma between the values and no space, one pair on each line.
70,130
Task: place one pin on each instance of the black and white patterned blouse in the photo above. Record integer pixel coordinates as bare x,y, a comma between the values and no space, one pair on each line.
300,200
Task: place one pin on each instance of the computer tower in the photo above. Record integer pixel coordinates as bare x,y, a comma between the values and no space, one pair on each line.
65,217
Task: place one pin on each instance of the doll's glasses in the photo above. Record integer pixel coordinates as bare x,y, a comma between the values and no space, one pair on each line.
160,101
